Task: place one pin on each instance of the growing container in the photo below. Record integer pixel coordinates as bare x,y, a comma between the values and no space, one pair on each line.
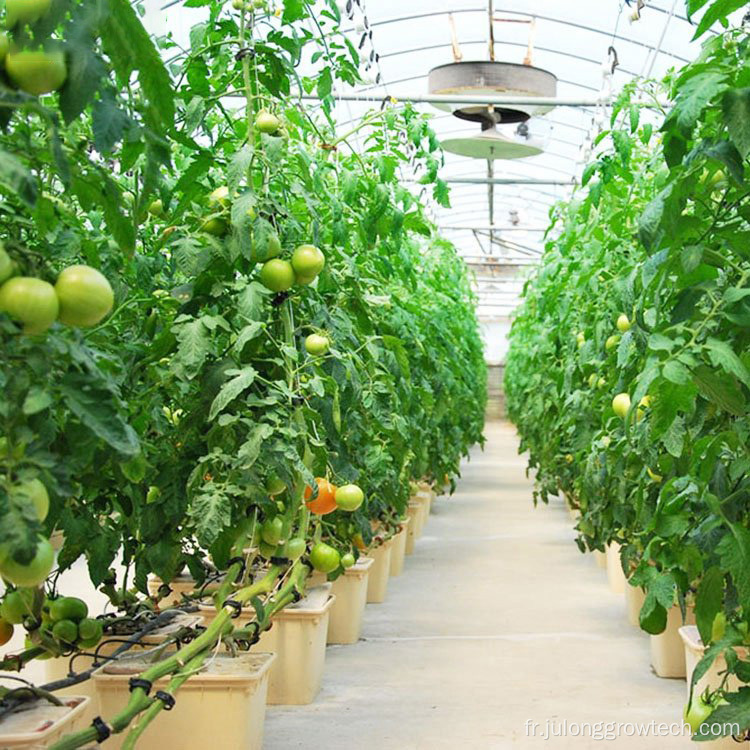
225,702
398,551
634,598
298,638
600,559
350,597
377,584
41,724
412,530
694,650
615,575
667,651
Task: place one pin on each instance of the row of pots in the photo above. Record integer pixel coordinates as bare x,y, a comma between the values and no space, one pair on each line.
284,668
675,652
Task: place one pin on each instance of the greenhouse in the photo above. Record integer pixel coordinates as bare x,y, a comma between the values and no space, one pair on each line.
374,374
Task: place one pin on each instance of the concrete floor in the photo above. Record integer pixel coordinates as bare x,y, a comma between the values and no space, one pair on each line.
496,621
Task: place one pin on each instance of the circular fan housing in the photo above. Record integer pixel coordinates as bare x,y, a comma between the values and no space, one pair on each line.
490,145
492,79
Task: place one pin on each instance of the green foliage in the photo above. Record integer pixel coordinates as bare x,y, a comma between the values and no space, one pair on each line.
660,234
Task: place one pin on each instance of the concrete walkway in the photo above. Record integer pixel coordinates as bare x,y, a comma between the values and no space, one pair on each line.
496,621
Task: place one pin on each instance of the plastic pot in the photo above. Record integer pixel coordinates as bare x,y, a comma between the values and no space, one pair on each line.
412,530
667,650
298,638
694,650
600,559
634,598
398,551
41,724
377,584
348,609
225,701
615,576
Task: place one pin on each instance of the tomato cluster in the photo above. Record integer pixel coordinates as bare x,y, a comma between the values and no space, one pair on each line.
81,297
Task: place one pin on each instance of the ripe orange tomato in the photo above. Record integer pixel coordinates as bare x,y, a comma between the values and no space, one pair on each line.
325,502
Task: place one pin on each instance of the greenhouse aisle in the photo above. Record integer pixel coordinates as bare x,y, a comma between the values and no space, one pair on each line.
496,621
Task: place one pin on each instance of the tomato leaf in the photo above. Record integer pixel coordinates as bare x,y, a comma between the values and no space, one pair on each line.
95,407
708,601
736,109
720,390
211,512
231,389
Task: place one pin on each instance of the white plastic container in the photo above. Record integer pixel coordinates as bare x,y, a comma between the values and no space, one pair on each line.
398,551
634,598
694,650
600,559
350,597
412,529
377,584
615,576
298,638
667,649
42,724
224,705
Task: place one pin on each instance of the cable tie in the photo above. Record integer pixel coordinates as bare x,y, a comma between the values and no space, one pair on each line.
103,731
139,682
235,605
166,698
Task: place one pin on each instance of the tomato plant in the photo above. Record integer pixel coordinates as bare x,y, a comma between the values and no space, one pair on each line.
648,263
179,417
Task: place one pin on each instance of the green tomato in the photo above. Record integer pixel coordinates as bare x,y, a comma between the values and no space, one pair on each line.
623,323
272,530
156,208
349,497
308,261
25,11
90,632
324,558
36,72
215,226
265,122
612,342
34,492
30,301
317,345
85,296
33,573
592,379
16,605
697,712
68,608
347,560
65,631
277,275
267,550
219,197
6,263
274,485
4,45
295,548
621,405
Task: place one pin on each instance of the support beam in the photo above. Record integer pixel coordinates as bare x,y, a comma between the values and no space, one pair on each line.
487,228
495,101
507,181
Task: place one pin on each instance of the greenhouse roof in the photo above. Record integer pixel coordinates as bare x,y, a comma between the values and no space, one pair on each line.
593,47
